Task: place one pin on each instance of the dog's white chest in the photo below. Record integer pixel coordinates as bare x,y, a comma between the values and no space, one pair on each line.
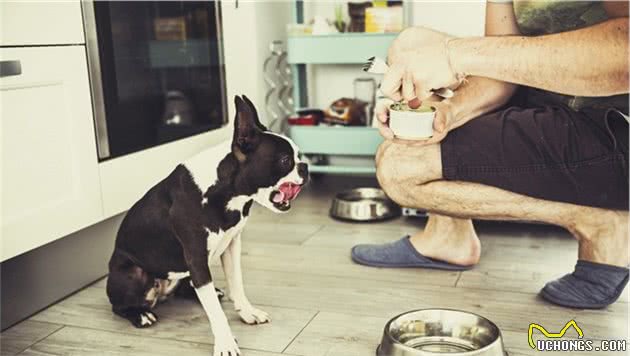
217,242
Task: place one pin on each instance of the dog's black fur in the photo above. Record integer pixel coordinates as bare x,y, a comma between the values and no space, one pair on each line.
166,230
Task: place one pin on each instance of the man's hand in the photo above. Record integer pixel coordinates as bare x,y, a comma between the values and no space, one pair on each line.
443,123
475,97
419,62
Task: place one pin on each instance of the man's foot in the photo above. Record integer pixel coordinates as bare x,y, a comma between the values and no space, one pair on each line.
590,286
603,236
398,254
448,239
451,244
601,273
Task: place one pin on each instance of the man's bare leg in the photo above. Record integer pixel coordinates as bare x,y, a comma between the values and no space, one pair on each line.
448,239
445,238
412,176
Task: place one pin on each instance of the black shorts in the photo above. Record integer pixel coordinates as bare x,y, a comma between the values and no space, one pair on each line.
548,152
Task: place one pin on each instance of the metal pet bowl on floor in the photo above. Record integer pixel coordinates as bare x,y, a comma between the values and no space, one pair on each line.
440,331
363,204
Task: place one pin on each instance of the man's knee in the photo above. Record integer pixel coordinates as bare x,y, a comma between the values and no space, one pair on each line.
385,165
401,162
396,188
401,167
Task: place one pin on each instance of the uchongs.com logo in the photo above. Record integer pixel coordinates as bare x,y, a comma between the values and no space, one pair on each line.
557,341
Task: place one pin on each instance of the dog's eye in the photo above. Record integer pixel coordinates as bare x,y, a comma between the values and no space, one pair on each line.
285,161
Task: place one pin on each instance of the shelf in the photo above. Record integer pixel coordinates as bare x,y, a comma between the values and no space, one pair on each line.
186,53
341,48
332,140
352,170
344,146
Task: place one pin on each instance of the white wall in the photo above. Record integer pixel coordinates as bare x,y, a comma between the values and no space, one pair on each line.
271,18
458,18
330,82
247,31
239,54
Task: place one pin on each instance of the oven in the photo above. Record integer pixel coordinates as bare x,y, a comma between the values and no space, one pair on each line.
156,72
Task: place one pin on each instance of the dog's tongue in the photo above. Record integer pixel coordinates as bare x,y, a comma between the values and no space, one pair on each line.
278,197
287,191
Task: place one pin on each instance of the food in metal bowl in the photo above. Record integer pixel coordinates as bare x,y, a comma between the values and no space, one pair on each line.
440,331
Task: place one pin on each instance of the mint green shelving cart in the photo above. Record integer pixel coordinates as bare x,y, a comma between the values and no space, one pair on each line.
325,141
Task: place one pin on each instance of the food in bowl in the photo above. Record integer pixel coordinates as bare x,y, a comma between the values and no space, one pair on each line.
440,331
411,124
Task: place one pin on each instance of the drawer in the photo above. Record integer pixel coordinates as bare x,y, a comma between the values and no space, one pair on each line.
49,181
27,23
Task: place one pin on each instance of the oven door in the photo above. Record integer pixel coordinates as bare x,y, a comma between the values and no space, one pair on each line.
156,70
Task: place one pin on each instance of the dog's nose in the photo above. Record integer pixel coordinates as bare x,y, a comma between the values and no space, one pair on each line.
302,169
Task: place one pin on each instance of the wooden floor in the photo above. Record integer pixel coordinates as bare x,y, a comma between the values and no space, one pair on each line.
298,268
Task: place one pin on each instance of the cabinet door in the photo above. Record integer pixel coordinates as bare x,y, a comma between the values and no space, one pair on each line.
40,23
50,182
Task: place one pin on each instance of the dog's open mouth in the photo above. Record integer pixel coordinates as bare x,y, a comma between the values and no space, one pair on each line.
282,197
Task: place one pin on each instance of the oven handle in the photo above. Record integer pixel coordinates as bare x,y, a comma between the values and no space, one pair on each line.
10,68
96,83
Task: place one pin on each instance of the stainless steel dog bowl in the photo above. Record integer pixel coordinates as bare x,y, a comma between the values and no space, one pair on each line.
440,331
363,204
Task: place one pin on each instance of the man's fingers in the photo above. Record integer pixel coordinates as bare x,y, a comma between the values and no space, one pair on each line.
385,131
382,110
392,81
414,103
421,91
441,120
408,90
433,99
439,123
382,117
423,95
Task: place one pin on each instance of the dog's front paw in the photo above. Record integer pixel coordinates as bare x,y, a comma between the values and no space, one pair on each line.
144,319
250,315
225,345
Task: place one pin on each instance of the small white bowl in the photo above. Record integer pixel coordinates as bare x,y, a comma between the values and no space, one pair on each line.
411,125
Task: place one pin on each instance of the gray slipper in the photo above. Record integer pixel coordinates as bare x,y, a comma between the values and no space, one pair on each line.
398,254
590,286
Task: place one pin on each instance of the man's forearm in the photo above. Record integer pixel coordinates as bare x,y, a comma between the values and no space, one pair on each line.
479,95
588,62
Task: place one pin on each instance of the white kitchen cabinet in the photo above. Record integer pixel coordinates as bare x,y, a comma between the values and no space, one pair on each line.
50,180
124,180
47,22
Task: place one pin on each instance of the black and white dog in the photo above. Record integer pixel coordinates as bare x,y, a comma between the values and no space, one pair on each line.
196,215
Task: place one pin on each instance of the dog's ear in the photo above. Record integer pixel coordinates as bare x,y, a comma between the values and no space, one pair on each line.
246,131
253,109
